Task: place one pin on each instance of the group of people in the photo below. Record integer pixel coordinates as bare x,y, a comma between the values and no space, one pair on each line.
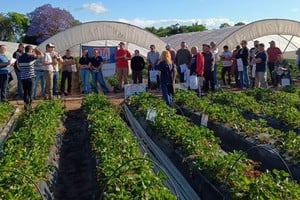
32,66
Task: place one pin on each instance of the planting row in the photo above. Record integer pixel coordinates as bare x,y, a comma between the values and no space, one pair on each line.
6,111
233,170
122,171
26,163
220,110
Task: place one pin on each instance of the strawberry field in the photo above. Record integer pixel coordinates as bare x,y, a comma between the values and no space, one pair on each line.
248,149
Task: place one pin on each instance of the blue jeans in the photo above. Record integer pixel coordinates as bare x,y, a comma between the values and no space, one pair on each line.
215,80
20,85
167,94
85,80
98,77
3,86
55,82
244,78
39,77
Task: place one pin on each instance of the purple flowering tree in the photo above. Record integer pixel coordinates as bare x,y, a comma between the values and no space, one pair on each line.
46,21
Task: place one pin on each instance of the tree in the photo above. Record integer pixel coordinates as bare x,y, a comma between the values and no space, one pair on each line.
7,32
20,24
224,25
46,21
240,24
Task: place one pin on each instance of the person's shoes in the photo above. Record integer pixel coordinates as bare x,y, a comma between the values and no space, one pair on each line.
68,94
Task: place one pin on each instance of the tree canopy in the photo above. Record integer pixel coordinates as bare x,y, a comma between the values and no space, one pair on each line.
176,29
46,21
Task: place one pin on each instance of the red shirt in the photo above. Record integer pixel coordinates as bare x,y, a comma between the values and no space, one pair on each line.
122,62
273,53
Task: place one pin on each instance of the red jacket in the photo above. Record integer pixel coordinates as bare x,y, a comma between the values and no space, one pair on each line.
200,64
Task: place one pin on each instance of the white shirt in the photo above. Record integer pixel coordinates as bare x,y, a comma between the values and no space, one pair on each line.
48,58
227,54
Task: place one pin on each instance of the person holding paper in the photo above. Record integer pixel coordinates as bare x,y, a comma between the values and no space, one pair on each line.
281,70
183,60
152,59
243,56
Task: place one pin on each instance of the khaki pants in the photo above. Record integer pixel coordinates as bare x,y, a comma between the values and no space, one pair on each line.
122,73
49,84
261,79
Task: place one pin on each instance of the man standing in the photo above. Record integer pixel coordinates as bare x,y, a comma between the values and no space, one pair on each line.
122,57
137,66
260,73
4,68
26,66
66,69
243,54
152,59
215,52
253,51
48,70
226,58
183,60
273,53
96,63
208,68
16,56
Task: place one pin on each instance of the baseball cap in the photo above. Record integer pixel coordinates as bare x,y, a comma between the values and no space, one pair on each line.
50,45
272,42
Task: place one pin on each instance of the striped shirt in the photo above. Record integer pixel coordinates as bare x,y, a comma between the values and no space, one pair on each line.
26,64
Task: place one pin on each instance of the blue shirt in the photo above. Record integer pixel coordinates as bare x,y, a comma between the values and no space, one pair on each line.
4,69
26,64
261,67
167,72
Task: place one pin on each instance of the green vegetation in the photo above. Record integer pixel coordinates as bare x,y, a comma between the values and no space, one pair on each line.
27,151
200,144
122,172
6,110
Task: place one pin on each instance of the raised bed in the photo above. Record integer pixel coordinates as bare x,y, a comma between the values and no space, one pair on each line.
231,169
230,141
8,126
123,172
204,187
28,154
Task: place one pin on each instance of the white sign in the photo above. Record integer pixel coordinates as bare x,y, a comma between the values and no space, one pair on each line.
131,89
153,75
285,82
151,114
204,120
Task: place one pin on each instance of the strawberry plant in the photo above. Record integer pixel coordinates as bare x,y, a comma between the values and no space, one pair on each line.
122,171
200,144
6,110
27,152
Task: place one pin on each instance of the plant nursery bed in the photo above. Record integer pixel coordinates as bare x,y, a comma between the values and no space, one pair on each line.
266,154
198,179
9,126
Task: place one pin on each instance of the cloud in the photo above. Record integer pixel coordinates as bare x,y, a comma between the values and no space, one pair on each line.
295,10
210,23
97,8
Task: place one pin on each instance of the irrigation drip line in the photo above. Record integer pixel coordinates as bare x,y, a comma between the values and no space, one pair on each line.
185,191
28,178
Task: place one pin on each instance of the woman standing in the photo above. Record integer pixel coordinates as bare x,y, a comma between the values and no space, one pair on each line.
85,72
167,76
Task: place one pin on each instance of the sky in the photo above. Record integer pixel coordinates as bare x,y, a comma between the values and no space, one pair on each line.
162,13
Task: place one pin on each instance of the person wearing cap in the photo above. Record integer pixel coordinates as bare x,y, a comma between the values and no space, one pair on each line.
261,68
26,67
137,65
172,52
183,60
4,68
273,53
215,51
208,68
153,59
243,54
16,55
122,57
96,64
48,70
